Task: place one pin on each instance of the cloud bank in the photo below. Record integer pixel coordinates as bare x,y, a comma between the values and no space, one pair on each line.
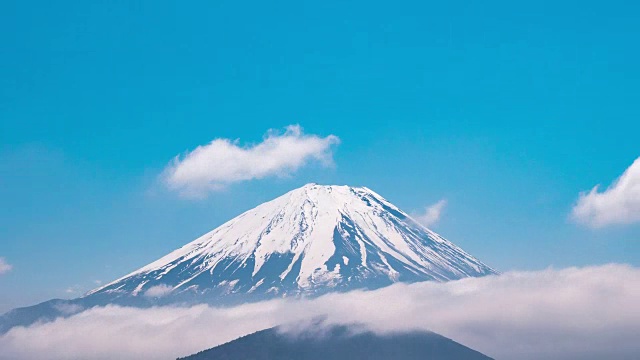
575,313
213,166
619,204
431,214
5,267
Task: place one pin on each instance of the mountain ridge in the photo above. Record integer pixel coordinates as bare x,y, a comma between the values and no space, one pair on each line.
339,343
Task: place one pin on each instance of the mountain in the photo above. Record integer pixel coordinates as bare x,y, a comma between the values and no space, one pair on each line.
307,242
338,343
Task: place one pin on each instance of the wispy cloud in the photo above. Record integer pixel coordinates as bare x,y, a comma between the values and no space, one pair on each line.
618,204
431,214
223,161
69,309
158,291
576,313
73,290
5,267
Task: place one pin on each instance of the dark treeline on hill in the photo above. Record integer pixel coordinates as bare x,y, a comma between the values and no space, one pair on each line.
338,343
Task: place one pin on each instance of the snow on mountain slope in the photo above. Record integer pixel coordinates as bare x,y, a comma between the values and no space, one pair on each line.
311,240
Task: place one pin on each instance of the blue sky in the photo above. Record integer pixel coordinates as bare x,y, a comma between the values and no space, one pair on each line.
508,111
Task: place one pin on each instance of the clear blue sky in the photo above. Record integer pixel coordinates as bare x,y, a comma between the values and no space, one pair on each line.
506,109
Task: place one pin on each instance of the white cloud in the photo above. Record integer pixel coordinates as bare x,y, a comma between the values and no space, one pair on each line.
619,204
158,291
576,313
68,309
431,214
73,290
5,267
213,166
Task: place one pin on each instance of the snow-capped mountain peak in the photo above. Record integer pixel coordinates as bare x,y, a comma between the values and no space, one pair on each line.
310,240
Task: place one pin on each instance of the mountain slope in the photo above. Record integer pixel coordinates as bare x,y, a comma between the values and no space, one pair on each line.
339,344
311,240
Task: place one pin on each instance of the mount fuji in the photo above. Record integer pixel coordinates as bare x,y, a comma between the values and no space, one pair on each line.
309,241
